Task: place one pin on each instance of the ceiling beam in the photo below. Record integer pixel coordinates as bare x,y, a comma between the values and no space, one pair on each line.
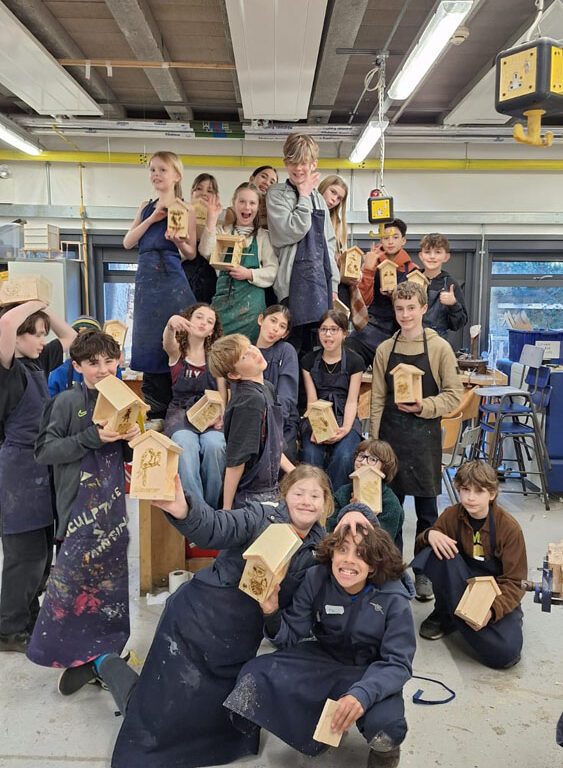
39,20
234,76
345,21
141,31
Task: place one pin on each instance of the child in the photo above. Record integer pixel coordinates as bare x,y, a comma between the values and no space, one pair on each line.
334,190
382,323
161,287
446,305
201,275
263,178
413,430
253,423
25,489
282,371
380,455
304,241
476,537
210,628
85,613
239,296
359,656
333,373
187,340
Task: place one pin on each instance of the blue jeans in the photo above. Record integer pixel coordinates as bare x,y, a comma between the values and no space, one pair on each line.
202,465
336,459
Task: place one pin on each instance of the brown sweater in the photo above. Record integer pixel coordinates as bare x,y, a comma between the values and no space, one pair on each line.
510,549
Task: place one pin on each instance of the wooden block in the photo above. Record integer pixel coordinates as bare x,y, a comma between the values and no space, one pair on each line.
477,599
387,275
177,219
162,548
339,306
200,217
351,263
40,237
222,244
16,290
555,562
118,404
155,465
323,733
117,330
322,420
206,411
367,487
407,383
267,560
416,276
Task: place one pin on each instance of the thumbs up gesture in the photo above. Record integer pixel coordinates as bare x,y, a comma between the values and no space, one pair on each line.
448,297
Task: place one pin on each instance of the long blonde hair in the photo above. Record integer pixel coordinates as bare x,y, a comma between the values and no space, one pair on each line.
338,214
172,159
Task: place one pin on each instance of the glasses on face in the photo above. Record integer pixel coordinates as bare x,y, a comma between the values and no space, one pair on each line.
367,458
330,330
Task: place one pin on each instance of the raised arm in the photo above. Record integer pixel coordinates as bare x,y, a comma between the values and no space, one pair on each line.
62,330
9,324
289,219
138,227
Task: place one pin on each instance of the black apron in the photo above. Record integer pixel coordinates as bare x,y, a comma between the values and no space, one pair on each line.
334,388
86,608
436,316
25,488
185,393
310,285
417,442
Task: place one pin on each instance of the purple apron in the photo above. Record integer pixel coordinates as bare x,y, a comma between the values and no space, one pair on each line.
86,608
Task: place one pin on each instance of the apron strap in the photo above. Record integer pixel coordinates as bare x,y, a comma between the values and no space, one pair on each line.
395,338
417,697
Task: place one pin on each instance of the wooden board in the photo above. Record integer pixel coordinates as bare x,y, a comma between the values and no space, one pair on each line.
477,599
162,548
323,732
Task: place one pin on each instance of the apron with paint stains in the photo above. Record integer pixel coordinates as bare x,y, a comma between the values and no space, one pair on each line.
186,392
86,608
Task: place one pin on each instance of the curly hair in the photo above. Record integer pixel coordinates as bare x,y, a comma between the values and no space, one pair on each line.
375,547
182,337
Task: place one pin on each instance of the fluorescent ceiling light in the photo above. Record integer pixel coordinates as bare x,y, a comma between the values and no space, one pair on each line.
369,138
436,35
11,134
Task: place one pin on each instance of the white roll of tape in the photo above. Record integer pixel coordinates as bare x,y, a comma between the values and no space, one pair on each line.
176,578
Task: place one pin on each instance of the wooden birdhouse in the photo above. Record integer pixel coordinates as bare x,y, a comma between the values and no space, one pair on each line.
206,411
416,276
407,383
267,560
222,244
322,420
351,263
387,275
117,330
16,290
323,732
155,465
177,219
555,562
118,404
200,210
339,306
477,599
367,486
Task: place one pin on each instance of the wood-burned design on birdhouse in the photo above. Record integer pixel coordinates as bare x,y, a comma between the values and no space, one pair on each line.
339,306
222,245
118,405
117,330
267,560
367,486
387,275
17,290
478,597
177,219
407,383
555,563
416,276
206,411
200,210
323,731
350,263
322,420
155,465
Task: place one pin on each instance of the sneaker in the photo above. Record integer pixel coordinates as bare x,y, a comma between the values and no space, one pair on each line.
436,626
423,587
17,642
388,759
73,678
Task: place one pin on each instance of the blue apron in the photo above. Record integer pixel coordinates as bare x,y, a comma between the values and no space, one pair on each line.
334,388
185,393
86,608
310,286
274,356
25,488
161,290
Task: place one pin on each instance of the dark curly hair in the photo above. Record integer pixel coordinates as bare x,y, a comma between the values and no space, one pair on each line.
376,548
182,336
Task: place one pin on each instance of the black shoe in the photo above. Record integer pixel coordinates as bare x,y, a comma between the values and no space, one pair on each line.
388,759
423,587
73,678
18,642
512,663
436,626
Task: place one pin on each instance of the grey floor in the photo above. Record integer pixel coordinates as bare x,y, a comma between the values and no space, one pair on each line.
498,718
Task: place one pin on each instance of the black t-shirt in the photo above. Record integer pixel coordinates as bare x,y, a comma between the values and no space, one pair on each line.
245,422
13,381
354,363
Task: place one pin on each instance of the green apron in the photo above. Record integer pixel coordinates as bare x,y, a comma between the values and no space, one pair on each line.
239,302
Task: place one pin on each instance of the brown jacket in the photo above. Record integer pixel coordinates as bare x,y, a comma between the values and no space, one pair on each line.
510,549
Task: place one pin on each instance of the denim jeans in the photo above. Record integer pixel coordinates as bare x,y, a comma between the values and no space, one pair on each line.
336,459
202,465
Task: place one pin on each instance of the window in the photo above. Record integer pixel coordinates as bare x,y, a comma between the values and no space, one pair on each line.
119,296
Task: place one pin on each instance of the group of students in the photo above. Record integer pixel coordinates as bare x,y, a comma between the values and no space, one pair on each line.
202,696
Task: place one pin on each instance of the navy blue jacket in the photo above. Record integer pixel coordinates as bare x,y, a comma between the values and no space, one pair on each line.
283,373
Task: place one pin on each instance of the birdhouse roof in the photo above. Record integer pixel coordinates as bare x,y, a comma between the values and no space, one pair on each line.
387,263
366,470
406,368
109,323
152,436
417,274
339,306
118,393
213,396
177,204
229,239
354,249
490,580
318,405
275,546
